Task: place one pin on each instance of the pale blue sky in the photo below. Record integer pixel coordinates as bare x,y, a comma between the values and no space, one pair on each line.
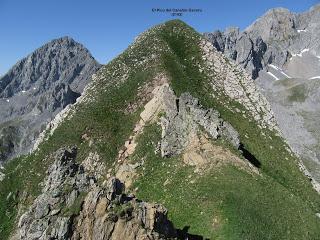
107,27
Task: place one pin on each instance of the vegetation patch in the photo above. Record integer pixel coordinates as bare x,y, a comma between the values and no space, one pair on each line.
75,208
298,93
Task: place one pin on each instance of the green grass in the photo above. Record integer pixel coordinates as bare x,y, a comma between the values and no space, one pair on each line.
245,207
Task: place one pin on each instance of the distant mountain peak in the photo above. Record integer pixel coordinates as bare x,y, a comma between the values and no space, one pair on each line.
43,82
45,65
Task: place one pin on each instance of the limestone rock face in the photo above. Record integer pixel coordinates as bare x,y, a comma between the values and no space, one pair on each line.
108,213
38,87
241,48
274,38
73,206
189,116
188,129
182,117
65,183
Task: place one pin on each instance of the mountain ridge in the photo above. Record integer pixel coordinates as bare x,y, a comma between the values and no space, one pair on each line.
171,85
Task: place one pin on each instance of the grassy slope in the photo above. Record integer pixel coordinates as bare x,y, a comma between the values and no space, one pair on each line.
281,203
245,207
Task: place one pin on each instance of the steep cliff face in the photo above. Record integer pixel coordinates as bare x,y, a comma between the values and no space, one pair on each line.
37,88
173,122
240,47
275,38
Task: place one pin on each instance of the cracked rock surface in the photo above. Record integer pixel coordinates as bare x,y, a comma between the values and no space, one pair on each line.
185,118
73,206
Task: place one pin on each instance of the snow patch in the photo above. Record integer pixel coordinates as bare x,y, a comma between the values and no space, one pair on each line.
316,77
296,54
34,88
23,91
280,70
300,54
274,67
301,30
272,75
285,74
8,100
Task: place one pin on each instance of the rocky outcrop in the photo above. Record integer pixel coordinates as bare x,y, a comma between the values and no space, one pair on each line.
51,213
184,117
180,117
241,48
8,140
189,129
73,205
37,88
110,214
2,176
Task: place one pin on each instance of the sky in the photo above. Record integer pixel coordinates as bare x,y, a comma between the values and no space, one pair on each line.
107,27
